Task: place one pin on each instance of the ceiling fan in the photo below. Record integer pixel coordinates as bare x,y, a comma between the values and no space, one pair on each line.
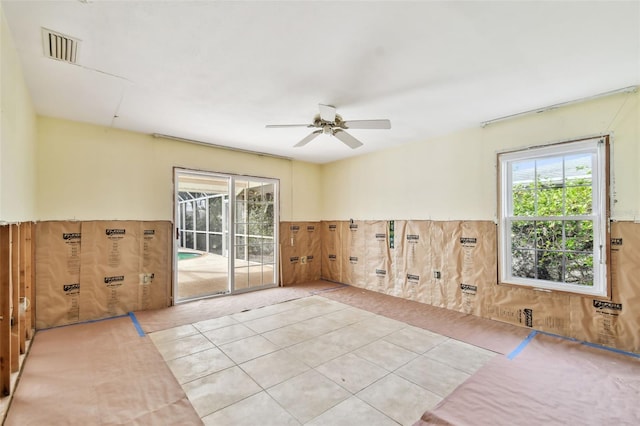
330,123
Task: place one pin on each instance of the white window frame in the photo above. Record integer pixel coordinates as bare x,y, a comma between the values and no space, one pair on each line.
598,147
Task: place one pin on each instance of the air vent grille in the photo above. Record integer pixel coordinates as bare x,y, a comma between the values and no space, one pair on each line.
59,46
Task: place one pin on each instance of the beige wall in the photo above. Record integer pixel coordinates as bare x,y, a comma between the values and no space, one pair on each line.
17,136
56,169
454,177
88,172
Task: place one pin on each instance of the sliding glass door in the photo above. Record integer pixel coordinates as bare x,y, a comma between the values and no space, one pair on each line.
255,260
224,223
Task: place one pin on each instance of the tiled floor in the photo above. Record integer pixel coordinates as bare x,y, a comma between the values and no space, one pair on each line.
314,361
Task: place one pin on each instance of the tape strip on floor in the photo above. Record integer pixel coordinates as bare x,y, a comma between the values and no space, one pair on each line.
83,322
531,335
594,345
136,324
514,353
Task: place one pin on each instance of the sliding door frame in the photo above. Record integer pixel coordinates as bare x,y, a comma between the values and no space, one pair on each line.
231,231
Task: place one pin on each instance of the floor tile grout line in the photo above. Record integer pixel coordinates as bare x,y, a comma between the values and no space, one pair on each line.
407,323
288,346
242,338
431,390
282,326
332,331
235,364
276,313
452,366
190,353
390,371
315,368
312,368
263,389
353,393
153,339
328,332
365,402
266,390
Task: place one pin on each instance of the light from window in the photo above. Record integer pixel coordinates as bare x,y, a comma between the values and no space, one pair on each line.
553,217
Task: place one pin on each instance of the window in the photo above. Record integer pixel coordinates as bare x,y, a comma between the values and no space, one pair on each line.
553,217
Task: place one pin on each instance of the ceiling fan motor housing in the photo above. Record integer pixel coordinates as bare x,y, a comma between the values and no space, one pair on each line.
331,124
319,122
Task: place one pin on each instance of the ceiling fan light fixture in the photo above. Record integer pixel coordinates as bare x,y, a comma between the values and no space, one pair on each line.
332,124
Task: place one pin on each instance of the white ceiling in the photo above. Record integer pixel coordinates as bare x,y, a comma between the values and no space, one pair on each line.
219,71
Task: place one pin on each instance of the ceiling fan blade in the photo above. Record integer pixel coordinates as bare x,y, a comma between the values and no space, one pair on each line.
275,126
345,137
367,124
308,139
327,112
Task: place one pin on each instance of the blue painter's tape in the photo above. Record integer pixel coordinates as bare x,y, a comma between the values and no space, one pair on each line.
592,345
571,339
606,348
514,353
136,324
83,322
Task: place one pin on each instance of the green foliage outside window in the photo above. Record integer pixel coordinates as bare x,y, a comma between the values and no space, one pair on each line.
260,223
552,230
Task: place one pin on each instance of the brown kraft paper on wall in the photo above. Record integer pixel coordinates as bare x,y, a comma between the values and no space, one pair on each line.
395,249
332,251
293,269
379,275
416,261
479,264
57,292
109,273
299,237
376,251
451,266
290,252
155,265
301,252
313,253
353,253
525,307
437,278
615,322
395,253
543,311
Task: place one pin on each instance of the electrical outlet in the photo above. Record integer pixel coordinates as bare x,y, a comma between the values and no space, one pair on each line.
146,278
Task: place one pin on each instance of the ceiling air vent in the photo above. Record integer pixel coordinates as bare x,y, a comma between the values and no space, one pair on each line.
59,46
